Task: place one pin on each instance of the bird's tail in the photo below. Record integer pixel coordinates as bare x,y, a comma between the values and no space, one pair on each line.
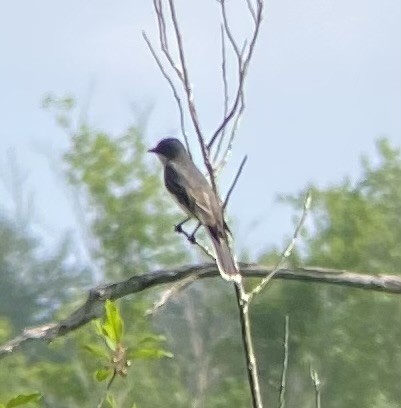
225,261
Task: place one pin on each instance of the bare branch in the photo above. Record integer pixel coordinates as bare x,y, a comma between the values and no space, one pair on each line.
251,364
163,39
231,189
190,98
228,116
251,10
287,252
225,88
158,7
234,129
227,29
285,364
161,22
243,59
93,307
167,294
183,75
173,88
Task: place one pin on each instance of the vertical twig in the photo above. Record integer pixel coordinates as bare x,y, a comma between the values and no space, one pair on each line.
251,366
243,59
251,9
285,364
231,189
173,88
189,94
316,385
225,88
287,252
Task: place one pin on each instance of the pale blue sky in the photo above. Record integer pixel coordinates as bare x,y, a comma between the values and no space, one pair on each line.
324,84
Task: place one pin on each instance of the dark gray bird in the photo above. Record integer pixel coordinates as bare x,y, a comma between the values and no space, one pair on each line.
196,197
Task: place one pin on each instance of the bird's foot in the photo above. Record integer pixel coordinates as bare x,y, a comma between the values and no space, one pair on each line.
178,228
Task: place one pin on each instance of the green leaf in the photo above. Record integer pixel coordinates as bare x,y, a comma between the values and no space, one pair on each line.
103,373
111,344
113,326
152,339
97,351
149,353
23,399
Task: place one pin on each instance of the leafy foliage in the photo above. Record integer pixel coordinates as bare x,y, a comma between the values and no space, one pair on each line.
114,355
352,336
22,399
35,283
126,211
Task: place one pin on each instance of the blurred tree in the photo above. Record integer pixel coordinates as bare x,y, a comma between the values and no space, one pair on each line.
350,336
34,282
130,220
128,227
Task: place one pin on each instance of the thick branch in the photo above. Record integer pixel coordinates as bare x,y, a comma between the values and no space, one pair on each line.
93,307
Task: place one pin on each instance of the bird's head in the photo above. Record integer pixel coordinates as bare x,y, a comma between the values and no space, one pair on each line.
169,149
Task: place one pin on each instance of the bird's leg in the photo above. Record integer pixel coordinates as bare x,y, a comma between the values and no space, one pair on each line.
191,237
178,227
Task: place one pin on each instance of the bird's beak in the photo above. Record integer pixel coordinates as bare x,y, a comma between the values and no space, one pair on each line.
152,150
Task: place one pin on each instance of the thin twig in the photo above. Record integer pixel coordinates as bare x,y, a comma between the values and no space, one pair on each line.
189,94
161,21
234,129
163,39
251,365
233,184
225,88
173,88
167,294
243,60
227,29
285,364
228,116
288,250
251,10
316,385
103,399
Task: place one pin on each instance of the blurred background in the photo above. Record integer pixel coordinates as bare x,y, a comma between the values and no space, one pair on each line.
81,202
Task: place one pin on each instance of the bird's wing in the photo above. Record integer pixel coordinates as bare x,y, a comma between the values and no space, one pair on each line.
175,185
194,194
192,191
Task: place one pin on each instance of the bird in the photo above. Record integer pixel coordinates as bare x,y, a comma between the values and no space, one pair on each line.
193,193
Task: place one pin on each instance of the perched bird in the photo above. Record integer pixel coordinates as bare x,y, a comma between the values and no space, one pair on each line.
195,196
